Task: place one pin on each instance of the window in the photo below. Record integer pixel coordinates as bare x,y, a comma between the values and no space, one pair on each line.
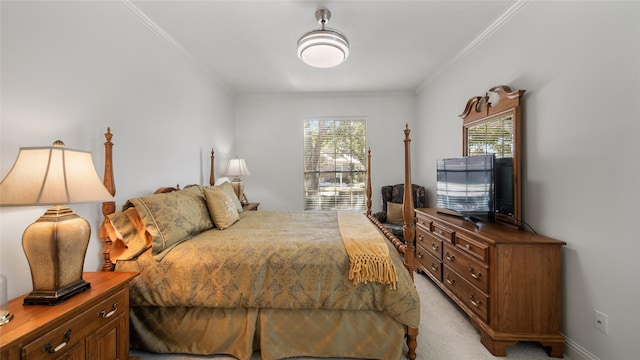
334,164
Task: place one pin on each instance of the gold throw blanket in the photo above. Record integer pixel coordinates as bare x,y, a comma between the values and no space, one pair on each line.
367,249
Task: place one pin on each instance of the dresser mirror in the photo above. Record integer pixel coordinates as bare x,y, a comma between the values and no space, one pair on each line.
492,125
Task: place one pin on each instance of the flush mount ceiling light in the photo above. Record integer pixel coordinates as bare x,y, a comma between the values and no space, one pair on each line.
323,48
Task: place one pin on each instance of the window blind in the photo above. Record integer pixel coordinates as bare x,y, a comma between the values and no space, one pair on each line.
334,164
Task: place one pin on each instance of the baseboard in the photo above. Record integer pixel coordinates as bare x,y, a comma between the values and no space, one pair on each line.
575,351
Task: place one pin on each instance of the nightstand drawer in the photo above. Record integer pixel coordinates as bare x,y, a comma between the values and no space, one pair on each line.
60,340
108,310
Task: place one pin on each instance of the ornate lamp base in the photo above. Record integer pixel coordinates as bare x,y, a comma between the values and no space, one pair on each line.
55,297
55,246
238,187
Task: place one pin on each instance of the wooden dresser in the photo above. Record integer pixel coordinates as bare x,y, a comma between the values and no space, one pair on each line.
91,325
508,281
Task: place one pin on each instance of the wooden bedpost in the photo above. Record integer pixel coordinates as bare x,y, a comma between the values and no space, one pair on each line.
408,212
212,178
368,187
409,233
108,207
407,248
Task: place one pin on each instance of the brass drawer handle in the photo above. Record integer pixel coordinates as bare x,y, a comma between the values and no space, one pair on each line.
420,238
433,267
434,247
474,274
419,255
52,350
449,280
106,315
450,257
475,303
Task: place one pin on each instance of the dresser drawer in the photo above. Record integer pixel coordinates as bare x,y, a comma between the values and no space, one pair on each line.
429,242
477,301
423,221
442,231
474,271
472,247
429,263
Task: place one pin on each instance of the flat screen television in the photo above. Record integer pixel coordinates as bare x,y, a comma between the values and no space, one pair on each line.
466,186
504,186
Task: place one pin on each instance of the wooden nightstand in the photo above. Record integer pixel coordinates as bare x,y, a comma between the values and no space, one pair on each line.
250,207
91,325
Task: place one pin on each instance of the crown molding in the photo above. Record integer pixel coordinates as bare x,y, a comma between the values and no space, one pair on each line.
163,35
486,33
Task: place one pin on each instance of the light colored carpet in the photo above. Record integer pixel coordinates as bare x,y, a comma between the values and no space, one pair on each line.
445,334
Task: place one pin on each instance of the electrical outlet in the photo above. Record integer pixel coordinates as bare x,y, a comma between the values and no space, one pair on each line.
600,321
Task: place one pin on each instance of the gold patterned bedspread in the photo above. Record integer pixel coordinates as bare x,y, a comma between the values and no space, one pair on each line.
279,260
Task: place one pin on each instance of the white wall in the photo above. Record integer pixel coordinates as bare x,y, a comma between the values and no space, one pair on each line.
580,65
270,138
69,70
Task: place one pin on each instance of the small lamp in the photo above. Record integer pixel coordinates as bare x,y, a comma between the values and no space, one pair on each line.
237,168
55,245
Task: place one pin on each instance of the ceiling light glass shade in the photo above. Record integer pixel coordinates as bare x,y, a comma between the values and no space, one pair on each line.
323,48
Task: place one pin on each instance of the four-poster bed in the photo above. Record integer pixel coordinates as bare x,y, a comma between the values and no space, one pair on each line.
323,284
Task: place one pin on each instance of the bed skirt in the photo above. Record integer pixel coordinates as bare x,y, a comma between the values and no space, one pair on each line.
276,333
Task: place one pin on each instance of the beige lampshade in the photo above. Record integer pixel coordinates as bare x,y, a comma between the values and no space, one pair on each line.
52,175
238,167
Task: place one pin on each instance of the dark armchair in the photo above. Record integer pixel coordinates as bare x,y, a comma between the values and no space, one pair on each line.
391,216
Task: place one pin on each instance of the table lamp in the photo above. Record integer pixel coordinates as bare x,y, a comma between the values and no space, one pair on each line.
55,245
237,168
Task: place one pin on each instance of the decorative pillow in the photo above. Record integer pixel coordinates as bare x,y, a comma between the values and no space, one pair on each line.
394,213
226,186
172,218
128,235
221,207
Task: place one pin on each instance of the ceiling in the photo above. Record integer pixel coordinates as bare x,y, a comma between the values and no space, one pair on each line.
251,45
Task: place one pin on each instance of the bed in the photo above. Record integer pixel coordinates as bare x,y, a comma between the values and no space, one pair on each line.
218,280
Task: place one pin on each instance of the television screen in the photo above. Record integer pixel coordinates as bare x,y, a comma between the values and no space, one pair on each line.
504,186
466,185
